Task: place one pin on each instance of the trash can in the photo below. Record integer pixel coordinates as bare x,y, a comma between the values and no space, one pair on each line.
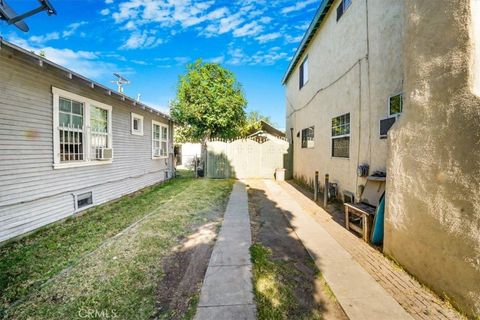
280,174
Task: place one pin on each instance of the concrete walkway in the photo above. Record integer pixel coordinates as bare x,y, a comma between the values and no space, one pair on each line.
227,291
358,293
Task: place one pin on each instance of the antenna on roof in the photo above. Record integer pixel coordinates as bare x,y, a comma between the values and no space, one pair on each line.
138,97
9,15
121,80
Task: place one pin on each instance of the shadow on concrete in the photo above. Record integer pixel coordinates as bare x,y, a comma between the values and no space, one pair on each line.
334,207
311,298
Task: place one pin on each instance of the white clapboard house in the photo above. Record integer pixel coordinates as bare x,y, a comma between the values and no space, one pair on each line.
68,143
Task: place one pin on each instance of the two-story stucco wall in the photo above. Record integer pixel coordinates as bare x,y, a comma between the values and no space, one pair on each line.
32,192
355,65
432,219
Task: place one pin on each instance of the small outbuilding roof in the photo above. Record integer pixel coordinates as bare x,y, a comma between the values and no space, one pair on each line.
41,61
322,11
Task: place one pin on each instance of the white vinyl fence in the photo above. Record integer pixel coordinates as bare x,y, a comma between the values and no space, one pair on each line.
245,158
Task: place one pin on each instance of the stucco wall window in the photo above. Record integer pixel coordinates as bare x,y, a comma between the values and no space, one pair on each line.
395,104
303,73
308,137
342,7
341,136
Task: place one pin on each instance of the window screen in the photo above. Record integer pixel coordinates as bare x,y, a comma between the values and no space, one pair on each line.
84,200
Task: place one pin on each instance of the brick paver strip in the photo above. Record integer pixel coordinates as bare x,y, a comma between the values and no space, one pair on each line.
227,291
418,301
360,296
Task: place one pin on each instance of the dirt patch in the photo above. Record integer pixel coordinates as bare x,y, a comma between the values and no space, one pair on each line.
184,270
291,269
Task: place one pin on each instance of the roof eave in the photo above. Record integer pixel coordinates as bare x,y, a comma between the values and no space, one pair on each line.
71,73
314,25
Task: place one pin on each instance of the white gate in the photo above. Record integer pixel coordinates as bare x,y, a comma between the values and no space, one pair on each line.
245,158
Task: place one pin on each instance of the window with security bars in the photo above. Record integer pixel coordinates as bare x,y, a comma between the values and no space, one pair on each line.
308,137
82,130
98,130
159,140
341,136
71,130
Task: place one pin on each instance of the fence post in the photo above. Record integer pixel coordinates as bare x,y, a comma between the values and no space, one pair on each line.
315,187
195,166
325,191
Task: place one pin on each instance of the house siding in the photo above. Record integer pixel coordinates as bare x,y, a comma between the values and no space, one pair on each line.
32,192
355,64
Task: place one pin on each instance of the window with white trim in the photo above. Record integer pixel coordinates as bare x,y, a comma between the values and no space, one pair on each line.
395,104
81,130
341,136
137,124
159,140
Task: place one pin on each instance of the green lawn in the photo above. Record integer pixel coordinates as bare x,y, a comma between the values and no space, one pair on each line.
84,265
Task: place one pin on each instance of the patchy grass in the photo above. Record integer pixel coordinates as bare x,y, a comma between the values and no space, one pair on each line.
83,267
274,286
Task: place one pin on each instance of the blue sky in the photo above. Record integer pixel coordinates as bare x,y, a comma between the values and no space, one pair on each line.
150,41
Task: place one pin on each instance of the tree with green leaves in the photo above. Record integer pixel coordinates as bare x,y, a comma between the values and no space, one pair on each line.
253,122
210,103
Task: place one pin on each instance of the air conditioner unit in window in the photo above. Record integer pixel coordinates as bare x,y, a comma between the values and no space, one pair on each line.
104,154
386,124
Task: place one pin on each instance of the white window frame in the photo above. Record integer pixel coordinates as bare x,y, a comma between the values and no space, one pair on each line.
87,103
75,201
347,135
162,125
138,132
388,104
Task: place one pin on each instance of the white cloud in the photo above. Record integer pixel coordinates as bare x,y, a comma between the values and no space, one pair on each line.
249,29
268,37
291,39
105,12
44,38
72,28
142,40
69,31
298,6
108,1
159,107
86,63
219,59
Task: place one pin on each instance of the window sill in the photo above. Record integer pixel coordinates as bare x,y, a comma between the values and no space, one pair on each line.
159,158
80,164
340,158
137,133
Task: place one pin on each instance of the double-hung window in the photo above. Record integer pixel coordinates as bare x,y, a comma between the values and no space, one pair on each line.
341,136
159,140
81,130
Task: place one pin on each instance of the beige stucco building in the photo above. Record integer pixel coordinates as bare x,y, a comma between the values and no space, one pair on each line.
353,65
355,56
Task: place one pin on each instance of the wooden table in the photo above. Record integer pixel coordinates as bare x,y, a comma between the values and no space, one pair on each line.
364,212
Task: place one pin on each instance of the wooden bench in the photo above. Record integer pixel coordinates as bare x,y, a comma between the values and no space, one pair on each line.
363,211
